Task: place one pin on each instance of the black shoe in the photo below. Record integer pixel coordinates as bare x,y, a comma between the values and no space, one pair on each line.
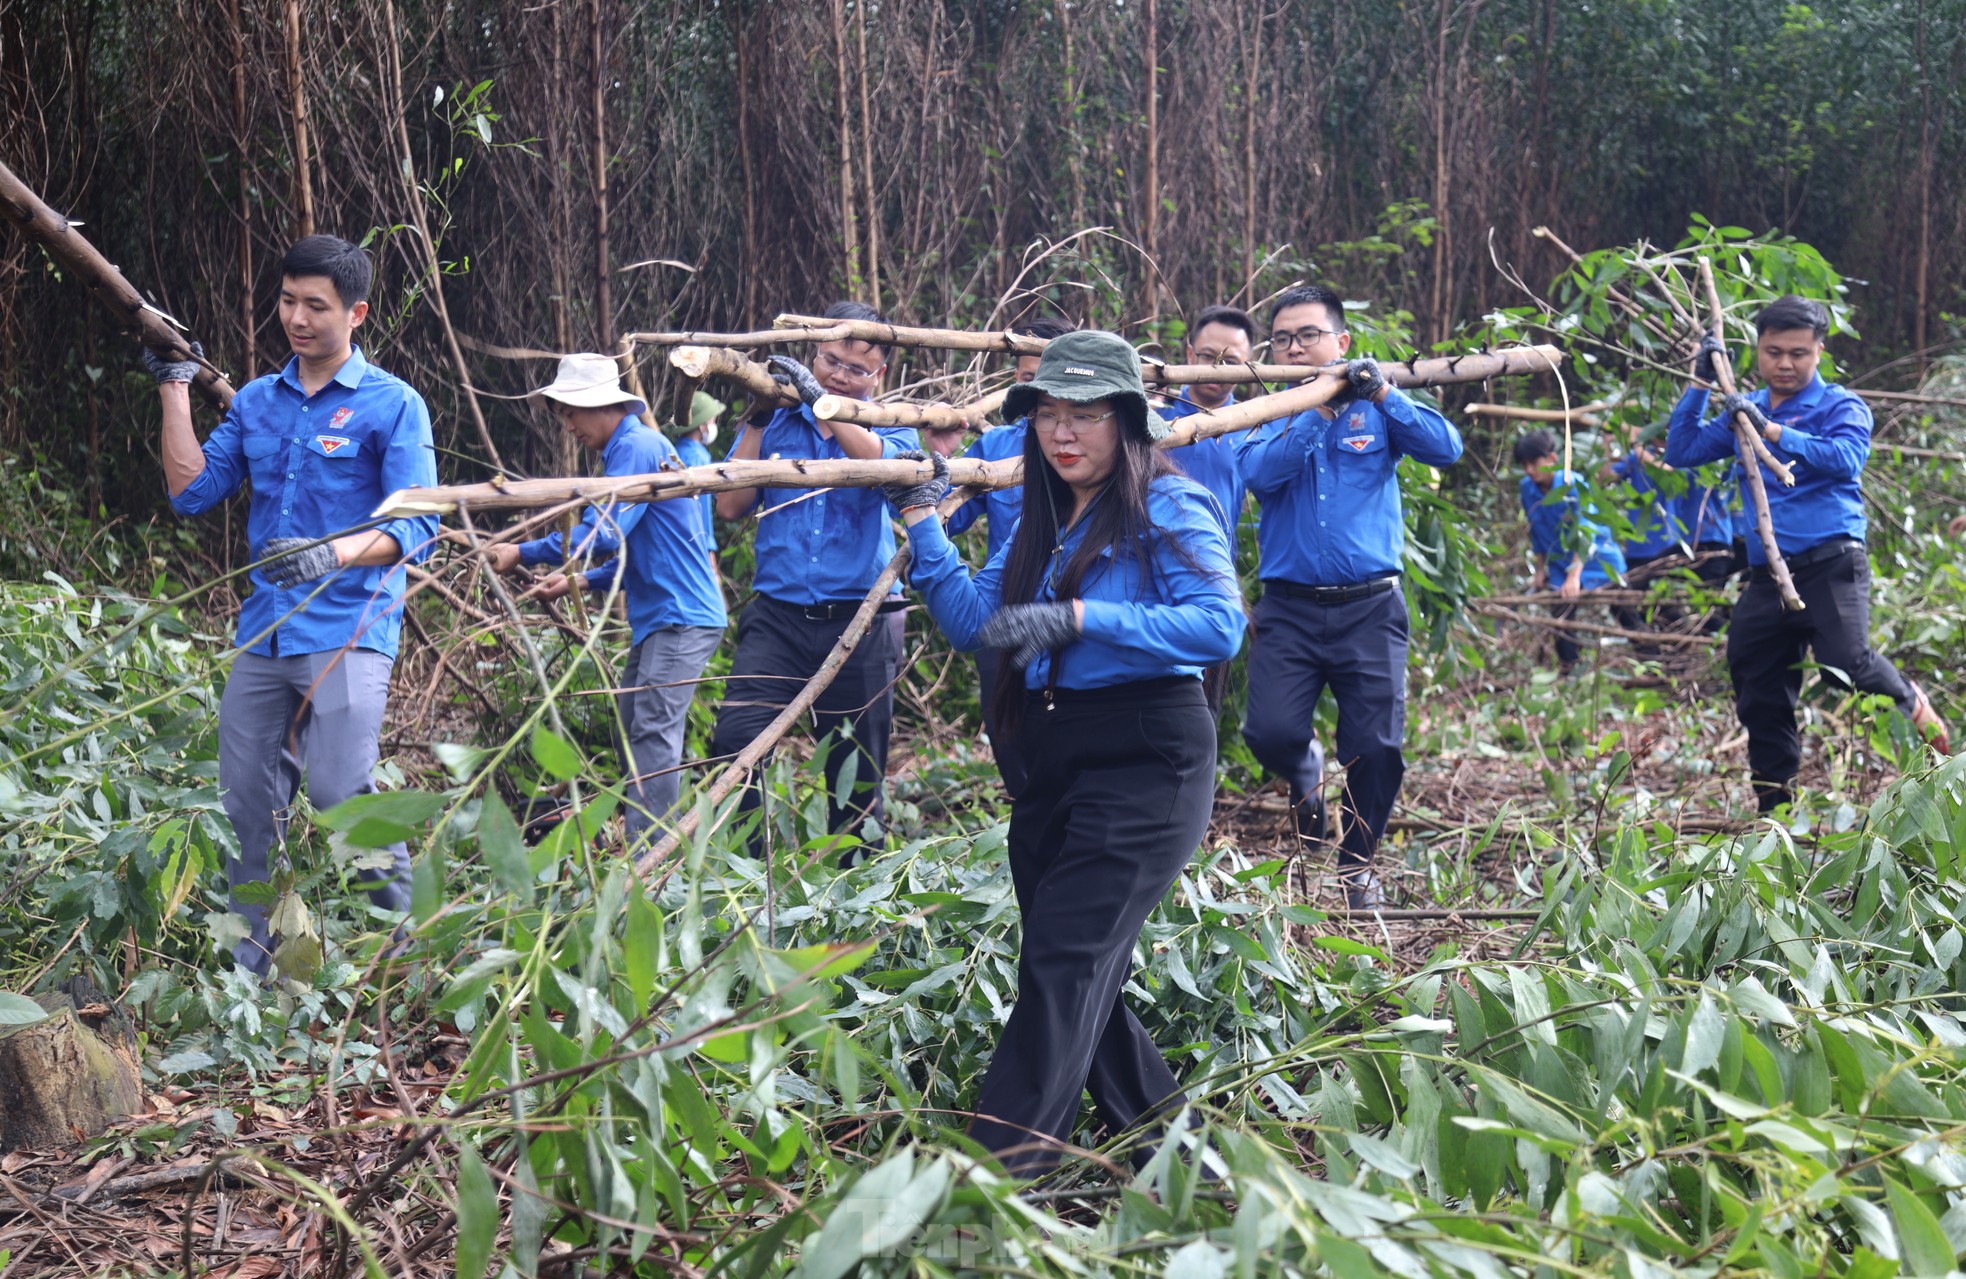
1362,889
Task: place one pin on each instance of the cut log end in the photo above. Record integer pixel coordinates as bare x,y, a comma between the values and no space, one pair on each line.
66,1078
691,361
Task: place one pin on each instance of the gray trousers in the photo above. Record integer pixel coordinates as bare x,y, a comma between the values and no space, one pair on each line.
318,715
657,686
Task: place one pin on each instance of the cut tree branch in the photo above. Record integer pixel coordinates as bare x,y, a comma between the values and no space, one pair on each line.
1746,438
138,319
1586,414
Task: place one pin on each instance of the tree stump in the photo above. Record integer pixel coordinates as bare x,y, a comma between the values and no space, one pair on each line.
66,1078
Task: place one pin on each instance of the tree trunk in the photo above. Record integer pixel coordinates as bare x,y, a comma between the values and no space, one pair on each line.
248,356
303,144
747,266
849,232
1251,89
1074,160
66,1078
1923,271
603,287
867,165
1150,186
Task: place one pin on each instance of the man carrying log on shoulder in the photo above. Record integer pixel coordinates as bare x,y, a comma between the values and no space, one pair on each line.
818,551
1000,509
323,441
1823,433
1223,335
1332,540
662,556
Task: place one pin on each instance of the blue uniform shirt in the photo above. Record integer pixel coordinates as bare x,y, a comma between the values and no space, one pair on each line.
1549,512
1184,616
1710,514
1825,441
1329,490
319,464
668,580
1210,463
693,453
1654,516
815,546
1000,506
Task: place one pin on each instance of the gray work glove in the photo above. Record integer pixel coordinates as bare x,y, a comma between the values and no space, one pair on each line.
1710,348
1366,379
1740,403
914,493
298,559
1028,630
165,369
787,371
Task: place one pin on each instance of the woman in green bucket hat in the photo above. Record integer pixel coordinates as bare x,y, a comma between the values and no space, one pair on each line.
1115,592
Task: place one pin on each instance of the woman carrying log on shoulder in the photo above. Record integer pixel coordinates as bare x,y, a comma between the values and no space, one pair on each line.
1110,599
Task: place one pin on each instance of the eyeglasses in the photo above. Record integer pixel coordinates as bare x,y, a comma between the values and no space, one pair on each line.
845,370
1047,423
1306,338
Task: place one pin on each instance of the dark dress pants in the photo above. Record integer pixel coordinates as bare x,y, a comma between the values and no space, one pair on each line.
1122,781
1765,647
1358,649
780,646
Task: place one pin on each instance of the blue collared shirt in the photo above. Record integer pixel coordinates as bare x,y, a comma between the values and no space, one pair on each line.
815,546
1000,506
1654,516
666,577
1825,441
1182,616
1210,463
1554,520
319,464
1710,514
1329,490
693,453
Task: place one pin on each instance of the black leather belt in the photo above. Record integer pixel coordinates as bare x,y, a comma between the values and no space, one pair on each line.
1330,594
834,610
1814,555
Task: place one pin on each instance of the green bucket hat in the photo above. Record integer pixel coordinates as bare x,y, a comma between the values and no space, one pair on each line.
1086,365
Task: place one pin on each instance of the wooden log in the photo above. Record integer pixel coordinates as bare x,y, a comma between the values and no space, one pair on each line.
67,1077
935,417
136,317
719,477
699,362
812,329
1909,397
1584,413
1746,440
1589,628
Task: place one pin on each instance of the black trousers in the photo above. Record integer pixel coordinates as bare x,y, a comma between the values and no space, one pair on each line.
1121,783
779,647
1766,644
1358,650
1003,745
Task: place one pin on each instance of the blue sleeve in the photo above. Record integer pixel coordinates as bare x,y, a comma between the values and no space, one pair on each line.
896,440
1839,448
225,466
958,602
965,515
1202,621
1543,520
730,453
602,530
1691,442
600,578
410,461
1420,431
1270,456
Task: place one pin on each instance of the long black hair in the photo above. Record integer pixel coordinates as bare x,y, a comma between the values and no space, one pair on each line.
1116,520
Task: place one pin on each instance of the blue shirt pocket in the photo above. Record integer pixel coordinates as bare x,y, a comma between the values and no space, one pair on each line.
334,463
1358,442
263,460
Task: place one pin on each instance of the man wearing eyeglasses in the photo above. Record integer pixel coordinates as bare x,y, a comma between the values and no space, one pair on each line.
1222,335
818,552
1331,541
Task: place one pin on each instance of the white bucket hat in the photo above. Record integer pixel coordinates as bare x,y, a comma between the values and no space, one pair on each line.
589,381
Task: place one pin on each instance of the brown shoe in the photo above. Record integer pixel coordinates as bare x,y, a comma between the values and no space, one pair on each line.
1926,722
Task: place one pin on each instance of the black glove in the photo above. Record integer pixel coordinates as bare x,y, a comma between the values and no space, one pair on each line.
1366,379
291,564
1710,347
165,369
1739,403
1027,630
787,371
914,493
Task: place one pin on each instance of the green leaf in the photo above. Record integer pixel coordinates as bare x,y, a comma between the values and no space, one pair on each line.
477,1213
19,1010
427,884
504,849
383,818
187,1061
1927,1251
554,754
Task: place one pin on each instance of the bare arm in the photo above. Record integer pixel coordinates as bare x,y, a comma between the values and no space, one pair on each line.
735,504
856,441
184,460
360,550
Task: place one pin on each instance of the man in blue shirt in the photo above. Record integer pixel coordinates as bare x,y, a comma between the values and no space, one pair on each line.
1574,551
1222,335
1332,538
661,559
323,442
818,551
1000,509
1656,538
1823,433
